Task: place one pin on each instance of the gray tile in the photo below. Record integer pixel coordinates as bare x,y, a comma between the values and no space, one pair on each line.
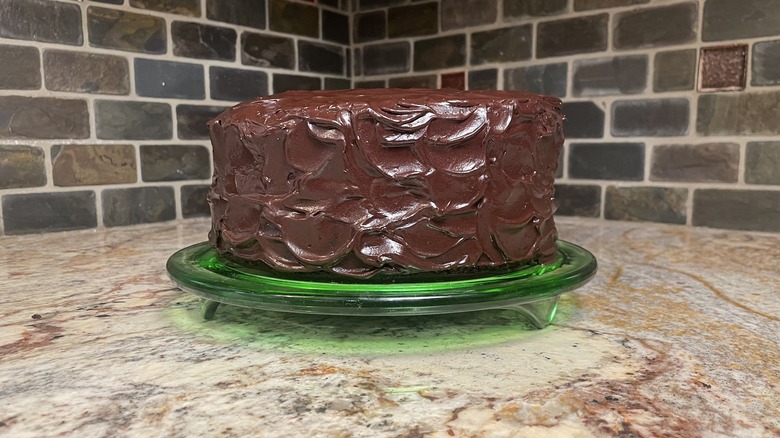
284,82
709,162
426,81
250,13
201,41
93,164
373,4
267,50
386,58
181,7
533,8
762,162
457,14
237,85
650,204
86,72
370,26
20,68
543,79
21,166
606,76
337,84
47,212
115,29
117,120
674,70
294,18
193,201
501,45
320,58
610,161
739,114
139,205
751,210
357,62
730,20
587,5
650,117
413,20
40,20
486,79
583,120
175,162
191,120
765,68
655,27
578,200
371,84
335,27
439,53
43,117
169,79
571,36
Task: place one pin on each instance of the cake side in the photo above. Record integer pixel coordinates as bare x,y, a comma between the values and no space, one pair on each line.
368,181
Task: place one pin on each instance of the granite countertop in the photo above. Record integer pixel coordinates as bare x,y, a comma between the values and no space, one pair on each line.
677,335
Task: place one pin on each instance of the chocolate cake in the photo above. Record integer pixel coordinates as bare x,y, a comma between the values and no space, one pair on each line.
361,182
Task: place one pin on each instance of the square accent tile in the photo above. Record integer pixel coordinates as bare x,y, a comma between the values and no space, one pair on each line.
455,80
723,68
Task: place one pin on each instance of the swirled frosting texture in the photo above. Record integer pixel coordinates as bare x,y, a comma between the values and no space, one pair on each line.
365,181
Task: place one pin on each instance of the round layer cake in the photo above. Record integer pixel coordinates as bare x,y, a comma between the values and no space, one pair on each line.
360,182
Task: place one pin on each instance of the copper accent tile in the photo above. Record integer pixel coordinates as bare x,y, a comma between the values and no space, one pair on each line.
455,80
723,68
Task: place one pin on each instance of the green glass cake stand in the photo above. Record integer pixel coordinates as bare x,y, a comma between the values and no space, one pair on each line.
533,290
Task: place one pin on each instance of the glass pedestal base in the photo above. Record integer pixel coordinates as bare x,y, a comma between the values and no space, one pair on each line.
533,290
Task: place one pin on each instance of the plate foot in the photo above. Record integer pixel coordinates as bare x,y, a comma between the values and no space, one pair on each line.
208,308
540,313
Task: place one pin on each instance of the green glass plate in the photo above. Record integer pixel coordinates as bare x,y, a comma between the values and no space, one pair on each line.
532,289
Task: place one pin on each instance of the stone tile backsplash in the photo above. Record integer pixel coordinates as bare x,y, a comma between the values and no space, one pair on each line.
671,105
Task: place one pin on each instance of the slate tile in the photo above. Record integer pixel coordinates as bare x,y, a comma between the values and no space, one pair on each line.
674,70
47,212
743,113
588,5
191,120
765,66
750,210
193,201
610,161
373,4
86,72
139,205
708,162
357,62
237,85
118,120
284,82
455,80
21,166
426,81
583,120
379,83
201,41
543,79
267,50
181,7
723,68
250,13
413,20
571,36
533,8
335,27
43,117
731,20
386,58
294,18
320,58
370,26
501,45
762,162
655,27
40,20
175,162
607,76
169,79
486,79
93,164
337,84
457,14
439,53
650,204
578,200
650,117
115,29
20,68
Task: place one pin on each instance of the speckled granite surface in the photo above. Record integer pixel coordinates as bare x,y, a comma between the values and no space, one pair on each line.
676,336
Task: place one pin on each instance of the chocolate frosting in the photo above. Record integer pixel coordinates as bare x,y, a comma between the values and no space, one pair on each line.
386,180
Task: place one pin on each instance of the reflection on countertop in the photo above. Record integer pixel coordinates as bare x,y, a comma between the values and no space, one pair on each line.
677,335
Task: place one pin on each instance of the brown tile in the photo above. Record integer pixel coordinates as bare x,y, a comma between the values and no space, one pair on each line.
114,29
174,162
413,20
93,164
182,7
85,72
21,166
295,18
21,116
578,200
653,204
455,80
738,113
20,68
723,68
709,162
